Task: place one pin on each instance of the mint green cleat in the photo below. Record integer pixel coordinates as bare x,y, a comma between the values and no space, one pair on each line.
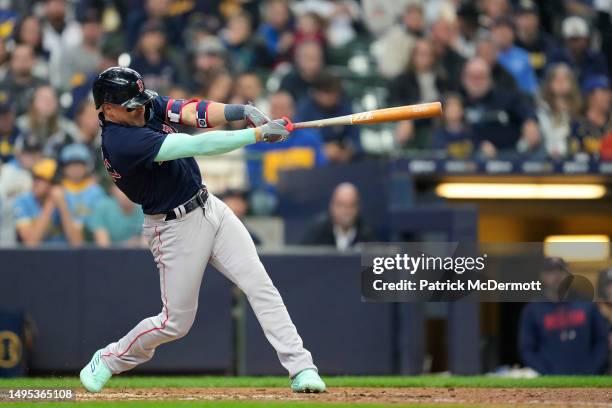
307,381
95,374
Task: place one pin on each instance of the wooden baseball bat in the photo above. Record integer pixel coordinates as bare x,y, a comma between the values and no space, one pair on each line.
407,112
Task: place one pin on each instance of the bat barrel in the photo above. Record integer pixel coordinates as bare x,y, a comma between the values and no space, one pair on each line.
408,112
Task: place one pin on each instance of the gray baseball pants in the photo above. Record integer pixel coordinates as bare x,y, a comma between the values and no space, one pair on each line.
182,248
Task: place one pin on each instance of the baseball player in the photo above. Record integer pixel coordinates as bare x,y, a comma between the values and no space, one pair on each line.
185,226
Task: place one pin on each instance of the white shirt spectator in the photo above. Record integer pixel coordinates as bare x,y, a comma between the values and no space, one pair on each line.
344,238
339,14
13,181
555,128
56,44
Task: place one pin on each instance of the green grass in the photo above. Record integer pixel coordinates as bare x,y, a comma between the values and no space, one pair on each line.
387,381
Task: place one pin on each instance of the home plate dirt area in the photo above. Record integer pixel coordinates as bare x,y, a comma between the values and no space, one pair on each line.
566,397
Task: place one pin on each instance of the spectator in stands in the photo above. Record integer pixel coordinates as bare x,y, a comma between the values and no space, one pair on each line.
394,48
513,58
413,20
178,92
116,221
9,132
531,37
604,296
82,84
467,20
487,50
16,179
583,8
220,87
44,215
90,133
423,81
595,123
341,18
576,51
277,30
84,58
310,27
444,36
245,50
308,65
559,104
559,337
20,81
379,15
250,89
60,33
81,189
154,58
4,61
45,122
199,28
208,61
502,122
153,10
327,99
492,10
237,201
454,136
29,32
603,23
342,227
304,149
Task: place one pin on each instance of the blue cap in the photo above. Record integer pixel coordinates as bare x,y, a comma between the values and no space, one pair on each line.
595,82
75,152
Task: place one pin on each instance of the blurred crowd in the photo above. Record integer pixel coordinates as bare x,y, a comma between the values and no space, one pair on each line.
519,80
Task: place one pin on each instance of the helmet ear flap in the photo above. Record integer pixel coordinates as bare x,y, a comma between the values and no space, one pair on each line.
148,111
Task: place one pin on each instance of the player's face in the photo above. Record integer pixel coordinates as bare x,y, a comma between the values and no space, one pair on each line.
125,116
135,117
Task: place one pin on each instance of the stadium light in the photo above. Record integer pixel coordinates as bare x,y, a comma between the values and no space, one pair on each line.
578,248
521,191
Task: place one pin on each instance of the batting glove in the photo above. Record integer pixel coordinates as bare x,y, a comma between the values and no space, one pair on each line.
276,131
254,116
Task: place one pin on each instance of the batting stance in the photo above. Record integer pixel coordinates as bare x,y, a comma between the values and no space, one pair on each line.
186,227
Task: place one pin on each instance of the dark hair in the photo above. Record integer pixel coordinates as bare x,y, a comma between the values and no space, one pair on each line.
574,99
90,15
38,48
445,99
327,82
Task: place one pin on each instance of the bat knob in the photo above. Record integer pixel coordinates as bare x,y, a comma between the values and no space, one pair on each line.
288,123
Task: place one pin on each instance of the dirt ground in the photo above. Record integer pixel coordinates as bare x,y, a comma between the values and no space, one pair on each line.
565,397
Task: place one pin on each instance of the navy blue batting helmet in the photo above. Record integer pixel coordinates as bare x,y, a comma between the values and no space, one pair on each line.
121,86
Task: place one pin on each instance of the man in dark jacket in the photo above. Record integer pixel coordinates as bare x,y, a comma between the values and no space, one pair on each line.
577,53
562,337
326,100
309,61
503,121
342,227
532,37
